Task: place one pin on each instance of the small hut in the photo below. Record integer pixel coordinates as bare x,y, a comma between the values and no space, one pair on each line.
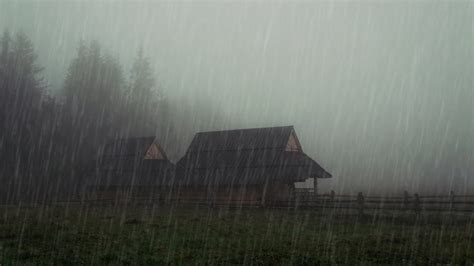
131,168
245,165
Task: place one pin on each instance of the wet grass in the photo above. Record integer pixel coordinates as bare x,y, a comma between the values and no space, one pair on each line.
162,235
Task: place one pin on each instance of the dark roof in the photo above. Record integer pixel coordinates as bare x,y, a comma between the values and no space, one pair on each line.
134,173
246,156
241,139
124,164
248,167
128,147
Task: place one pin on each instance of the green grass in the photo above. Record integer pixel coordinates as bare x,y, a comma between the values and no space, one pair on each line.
138,236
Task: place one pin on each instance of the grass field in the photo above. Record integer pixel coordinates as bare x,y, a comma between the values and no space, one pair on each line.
179,235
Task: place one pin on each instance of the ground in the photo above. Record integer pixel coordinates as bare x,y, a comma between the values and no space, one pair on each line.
199,235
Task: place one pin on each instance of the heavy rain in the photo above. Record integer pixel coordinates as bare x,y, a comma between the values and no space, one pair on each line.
236,132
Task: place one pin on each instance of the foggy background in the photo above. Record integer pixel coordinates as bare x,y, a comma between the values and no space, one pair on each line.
380,94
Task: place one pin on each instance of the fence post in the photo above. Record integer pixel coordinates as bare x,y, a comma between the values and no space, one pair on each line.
417,204
332,196
211,197
452,206
406,200
360,203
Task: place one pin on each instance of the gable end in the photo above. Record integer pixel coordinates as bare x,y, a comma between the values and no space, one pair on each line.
293,144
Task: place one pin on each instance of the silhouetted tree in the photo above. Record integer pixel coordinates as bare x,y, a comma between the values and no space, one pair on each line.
5,57
93,89
148,111
143,98
21,90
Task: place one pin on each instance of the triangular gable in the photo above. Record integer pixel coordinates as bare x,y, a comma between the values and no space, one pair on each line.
293,143
155,152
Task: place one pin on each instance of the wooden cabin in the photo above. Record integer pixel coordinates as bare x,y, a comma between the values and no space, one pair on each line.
131,168
244,166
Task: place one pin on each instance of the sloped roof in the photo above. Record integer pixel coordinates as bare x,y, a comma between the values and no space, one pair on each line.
248,167
134,173
245,156
128,147
124,164
241,139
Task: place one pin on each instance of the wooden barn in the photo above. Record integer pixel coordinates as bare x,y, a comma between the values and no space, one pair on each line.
131,168
244,166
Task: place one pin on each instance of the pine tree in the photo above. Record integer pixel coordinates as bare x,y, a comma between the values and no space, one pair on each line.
93,89
21,85
27,82
21,90
5,43
143,98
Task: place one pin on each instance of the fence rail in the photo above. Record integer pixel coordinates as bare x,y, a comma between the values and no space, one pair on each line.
406,202
309,200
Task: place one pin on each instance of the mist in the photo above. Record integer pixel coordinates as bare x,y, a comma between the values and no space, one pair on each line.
380,94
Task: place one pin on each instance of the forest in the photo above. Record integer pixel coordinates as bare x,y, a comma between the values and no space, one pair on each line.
50,142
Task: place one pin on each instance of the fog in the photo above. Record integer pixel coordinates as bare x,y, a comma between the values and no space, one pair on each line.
380,94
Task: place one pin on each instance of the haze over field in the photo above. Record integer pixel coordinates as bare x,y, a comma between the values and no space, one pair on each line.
380,94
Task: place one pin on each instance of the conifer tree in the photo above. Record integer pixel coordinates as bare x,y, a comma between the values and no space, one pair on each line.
5,43
21,90
93,89
143,98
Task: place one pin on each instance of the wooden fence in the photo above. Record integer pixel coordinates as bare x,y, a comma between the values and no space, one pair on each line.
407,202
302,199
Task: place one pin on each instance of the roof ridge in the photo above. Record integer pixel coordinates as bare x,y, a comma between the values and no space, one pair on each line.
243,129
277,148
129,138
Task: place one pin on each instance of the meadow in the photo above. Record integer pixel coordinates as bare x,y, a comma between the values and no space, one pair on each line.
193,235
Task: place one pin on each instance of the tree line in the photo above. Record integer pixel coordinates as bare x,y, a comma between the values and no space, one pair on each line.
48,144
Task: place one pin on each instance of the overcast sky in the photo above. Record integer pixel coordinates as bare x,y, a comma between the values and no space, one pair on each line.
380,93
